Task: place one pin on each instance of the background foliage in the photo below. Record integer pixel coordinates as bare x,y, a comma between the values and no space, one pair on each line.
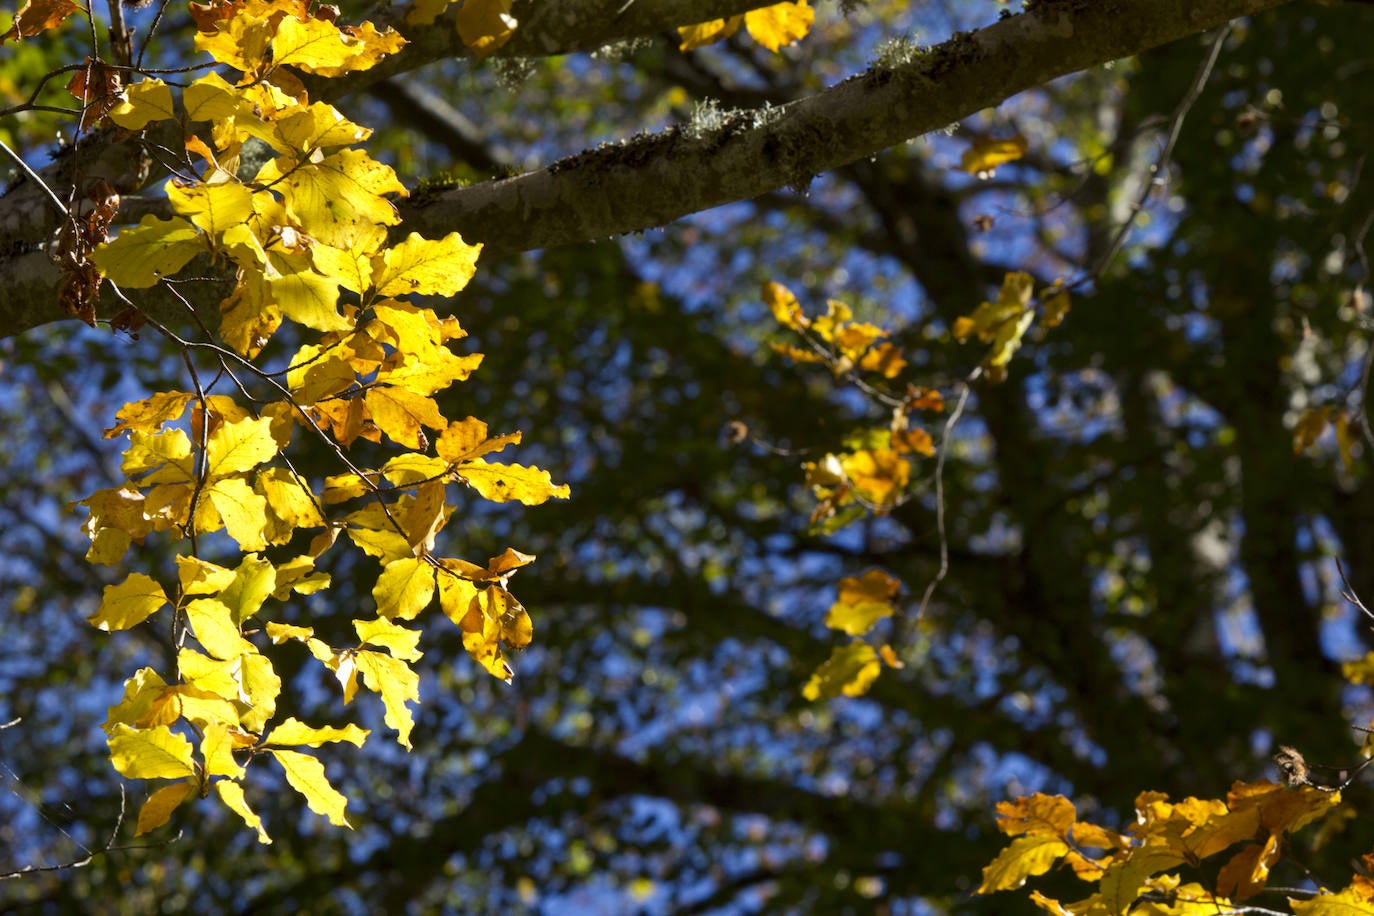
1141,594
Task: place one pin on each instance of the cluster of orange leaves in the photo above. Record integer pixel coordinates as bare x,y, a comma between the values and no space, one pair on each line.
1137,871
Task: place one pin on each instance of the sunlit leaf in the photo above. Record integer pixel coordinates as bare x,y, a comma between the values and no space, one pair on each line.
155,248
424,267
780,24
231,793
987,153
294,732
404,588
129,603
306,776
150,753
510,482
157,810
1025,857
849,671
145,101
485,25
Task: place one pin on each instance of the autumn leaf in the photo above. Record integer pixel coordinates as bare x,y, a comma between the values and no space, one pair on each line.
1346,903
849,671
986,154
706,33
419,266
150,753
781,24
155,248
306,775
214,629
401,642
1025,857
159,807
239,446
510,482
485,25
231,793
397,684
129,603
787,311
317,46
37,16
404,588
213,208
150,414
862,602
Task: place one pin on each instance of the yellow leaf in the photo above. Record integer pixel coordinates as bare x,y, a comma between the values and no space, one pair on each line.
141,693
167,454
129,603
425,516
215,630
424,12
506,482
201,577
291,502
144,102
784,306
424,267
155,248
863,602
397,684
317,46
1346,903
986,154
150,753
411,468
231,793
295,732
254,579
1124,881
456,596
210,98
1025,857
707,33
239,446
217,748
485,25
400,413
319,126
880,475
1055,308
243,512
213,208
260,686
302,295
149,414
849,671
404,588
1038,814
467,439
401,642
780,24
885,359
160,805
326,198
306,776
913,441
220,678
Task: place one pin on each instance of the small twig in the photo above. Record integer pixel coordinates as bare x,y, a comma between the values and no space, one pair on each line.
945,438
33,176
1159,171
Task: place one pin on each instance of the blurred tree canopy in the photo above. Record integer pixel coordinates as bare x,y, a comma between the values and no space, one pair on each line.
1141,523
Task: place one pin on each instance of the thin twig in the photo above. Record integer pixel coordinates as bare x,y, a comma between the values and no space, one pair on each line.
1159,171
946,436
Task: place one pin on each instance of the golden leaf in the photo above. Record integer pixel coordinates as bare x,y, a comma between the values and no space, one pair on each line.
485,25
231,793
159,807
850,671
150,753
780,24
129,603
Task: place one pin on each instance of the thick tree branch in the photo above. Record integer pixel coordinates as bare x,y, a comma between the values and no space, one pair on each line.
652,180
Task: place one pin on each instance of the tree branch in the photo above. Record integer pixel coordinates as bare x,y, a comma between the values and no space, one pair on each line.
653,179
